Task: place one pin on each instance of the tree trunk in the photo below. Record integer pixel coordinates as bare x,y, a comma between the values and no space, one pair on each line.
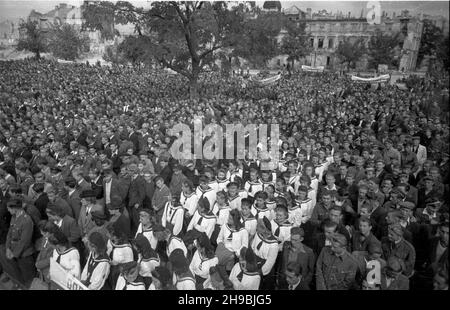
193,88
193,85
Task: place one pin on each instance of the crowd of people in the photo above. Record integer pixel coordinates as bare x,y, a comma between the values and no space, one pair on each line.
358,200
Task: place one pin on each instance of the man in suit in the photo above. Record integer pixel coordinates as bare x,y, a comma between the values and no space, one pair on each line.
73,196
112,186
42,199
295,252
134,137
294,278
136,195
115,158
5,216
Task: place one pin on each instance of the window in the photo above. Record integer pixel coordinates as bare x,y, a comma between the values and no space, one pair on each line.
278,62
330,43
320,43
312,42
321,26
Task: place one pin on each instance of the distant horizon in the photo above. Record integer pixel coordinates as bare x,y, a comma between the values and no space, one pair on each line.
16,9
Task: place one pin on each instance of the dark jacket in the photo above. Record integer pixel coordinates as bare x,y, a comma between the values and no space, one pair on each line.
136,192
70,229
20,235
306,259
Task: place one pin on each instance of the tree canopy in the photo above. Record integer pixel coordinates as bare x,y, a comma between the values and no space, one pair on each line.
66,42
295,43
385,49
32,38
350,52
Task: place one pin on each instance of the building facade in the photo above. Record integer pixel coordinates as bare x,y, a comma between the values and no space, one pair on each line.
327,31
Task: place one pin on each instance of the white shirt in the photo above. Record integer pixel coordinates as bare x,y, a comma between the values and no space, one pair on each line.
99,274
250,280
265,249
69,260
184,283
108,192
200,266
147,233
207,224
221,213
120,253
135,286
174,216
189,203
175,243
238,240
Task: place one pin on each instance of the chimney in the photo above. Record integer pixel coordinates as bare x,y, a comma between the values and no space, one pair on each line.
393,14
349,14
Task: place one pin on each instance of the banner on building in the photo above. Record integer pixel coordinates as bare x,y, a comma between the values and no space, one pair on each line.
313,69
379,79
63,279
266,81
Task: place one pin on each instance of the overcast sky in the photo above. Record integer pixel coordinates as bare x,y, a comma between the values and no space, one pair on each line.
14,9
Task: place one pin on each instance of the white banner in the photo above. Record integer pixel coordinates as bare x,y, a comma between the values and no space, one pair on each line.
266,81
313,69
63,279
378,79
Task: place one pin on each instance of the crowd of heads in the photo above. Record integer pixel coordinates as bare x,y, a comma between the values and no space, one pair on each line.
86,169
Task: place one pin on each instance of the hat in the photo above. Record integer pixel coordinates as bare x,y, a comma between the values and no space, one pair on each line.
146,210
339,238
88,193
126,267
416,137
407,205
190,164
143,152
99,215
396,229
97,239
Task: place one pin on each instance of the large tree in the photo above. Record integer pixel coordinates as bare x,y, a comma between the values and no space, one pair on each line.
32,38
384,49
182,36
430,41
66,42
259,38
349,52
295,43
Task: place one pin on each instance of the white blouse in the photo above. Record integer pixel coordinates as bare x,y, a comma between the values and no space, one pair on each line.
69,260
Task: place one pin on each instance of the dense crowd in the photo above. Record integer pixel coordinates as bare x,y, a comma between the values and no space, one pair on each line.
358,200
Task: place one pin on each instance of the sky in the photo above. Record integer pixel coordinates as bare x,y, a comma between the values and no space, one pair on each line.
15,9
